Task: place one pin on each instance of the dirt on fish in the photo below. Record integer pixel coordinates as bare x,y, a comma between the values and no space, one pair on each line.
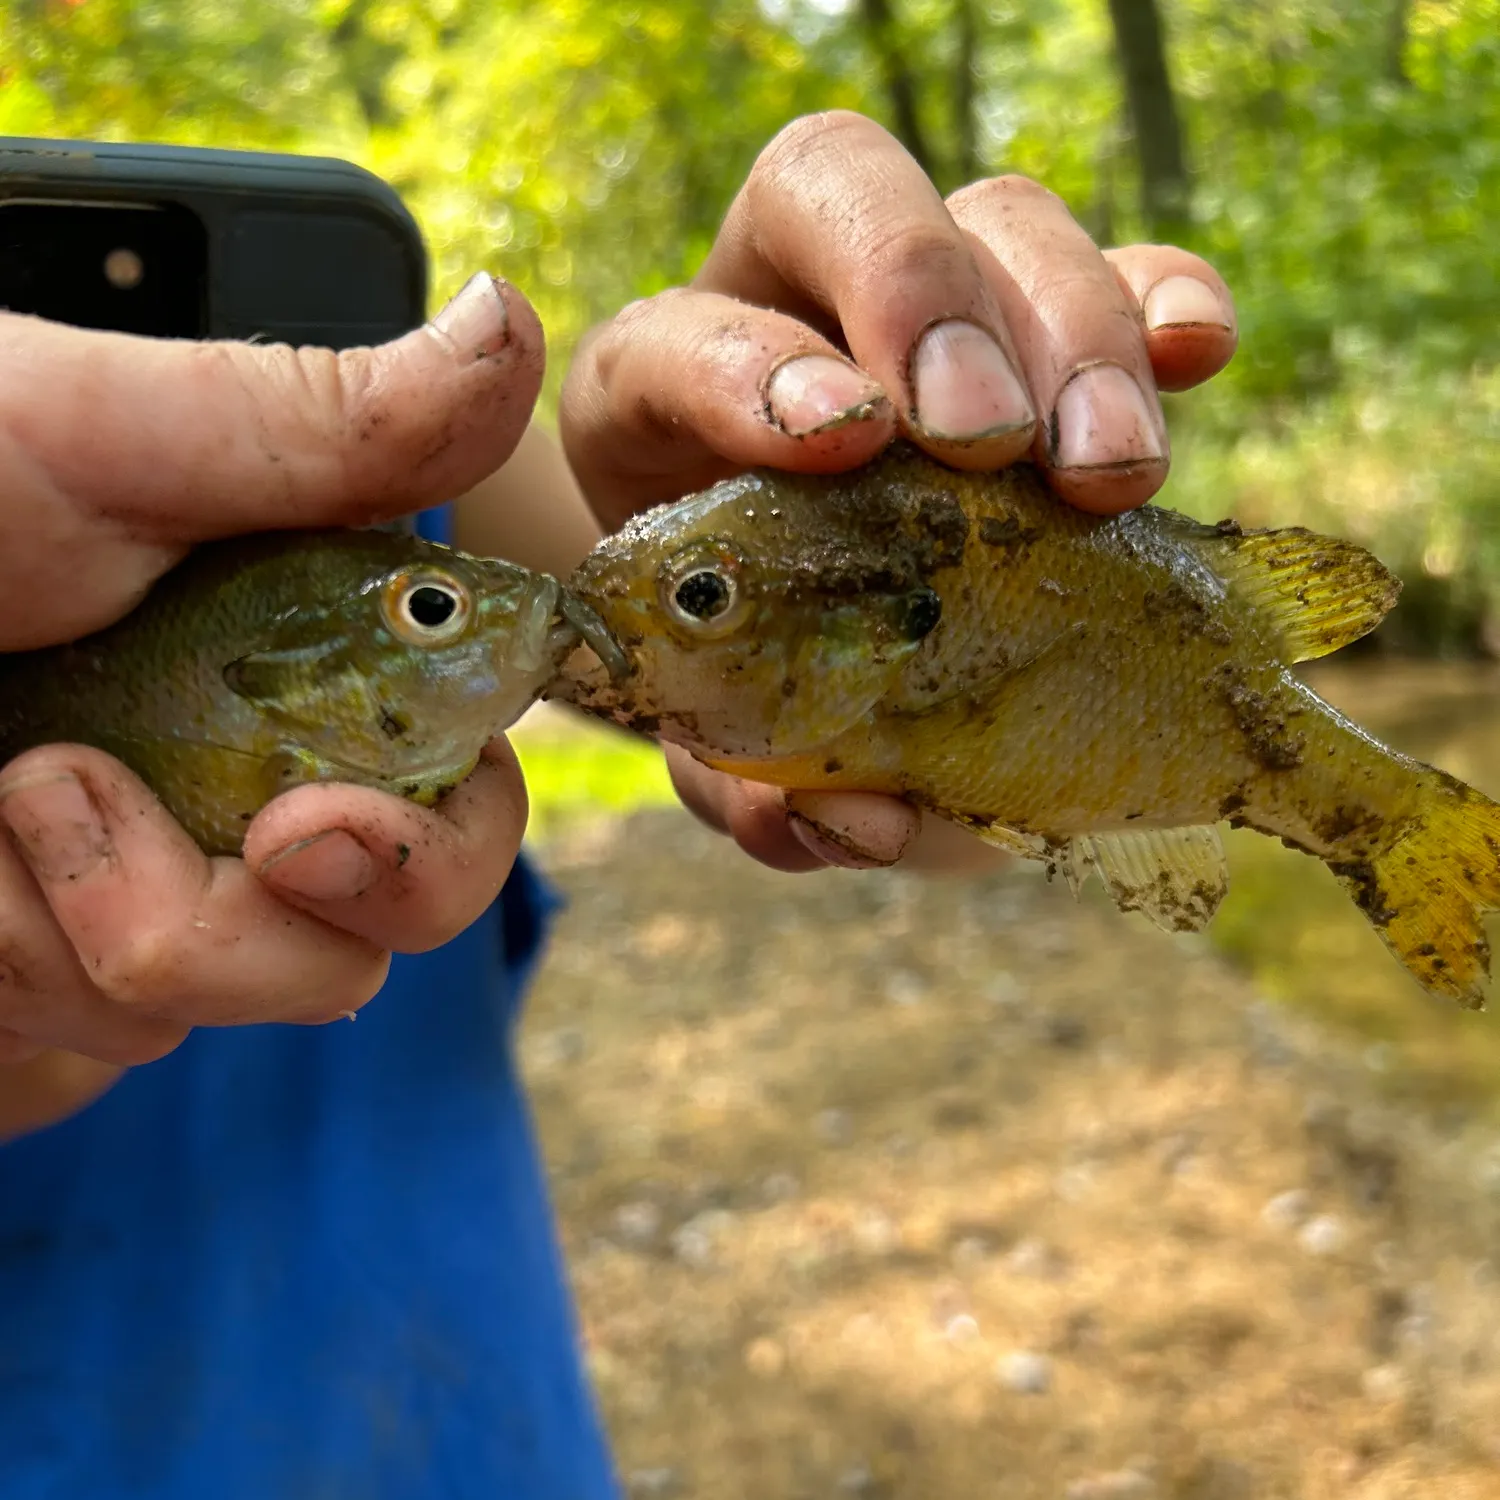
876,1185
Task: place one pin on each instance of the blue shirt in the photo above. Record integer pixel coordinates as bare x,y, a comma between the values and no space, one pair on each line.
303,1264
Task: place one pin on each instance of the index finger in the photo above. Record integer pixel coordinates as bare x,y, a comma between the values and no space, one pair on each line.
837,224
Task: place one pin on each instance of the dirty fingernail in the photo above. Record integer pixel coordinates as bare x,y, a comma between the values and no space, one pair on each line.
332,866
963,386
834,846
1184,301
56,825
1103,418
475,324
817,393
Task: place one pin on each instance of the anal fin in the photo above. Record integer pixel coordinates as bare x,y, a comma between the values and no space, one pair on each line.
1175,876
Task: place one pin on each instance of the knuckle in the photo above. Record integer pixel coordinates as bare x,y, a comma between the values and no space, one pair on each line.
809,136
143,973
896,254
994,193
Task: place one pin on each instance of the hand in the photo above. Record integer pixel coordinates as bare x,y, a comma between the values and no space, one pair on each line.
843,303
117,454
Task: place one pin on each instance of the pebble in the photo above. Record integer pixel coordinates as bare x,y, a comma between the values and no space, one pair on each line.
875,1233
1004,989
1383,1383
902,987
1034,1257
558,1048
637,1224
1123,1484
962,1330
765,1357
972,1250
1026,1373
694,1241
1324,1235
779,1187
658,1484
1287,1210
834,1127
857,1480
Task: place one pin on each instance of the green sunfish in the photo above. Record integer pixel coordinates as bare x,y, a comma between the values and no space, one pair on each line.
263,662
1095,693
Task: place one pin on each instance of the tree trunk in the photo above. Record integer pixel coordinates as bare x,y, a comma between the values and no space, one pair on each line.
1395,41
1141,48
900,86
965,66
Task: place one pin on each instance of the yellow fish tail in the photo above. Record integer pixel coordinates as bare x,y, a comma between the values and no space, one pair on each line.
1427,894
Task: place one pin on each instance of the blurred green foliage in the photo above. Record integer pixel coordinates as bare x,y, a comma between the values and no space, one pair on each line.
1344,161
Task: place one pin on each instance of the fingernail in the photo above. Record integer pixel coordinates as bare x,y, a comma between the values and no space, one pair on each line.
332,866
56,825
963,385
1103,418
1184,301
817,393
834,846
475,323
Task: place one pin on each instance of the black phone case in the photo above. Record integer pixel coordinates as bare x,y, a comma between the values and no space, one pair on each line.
309,250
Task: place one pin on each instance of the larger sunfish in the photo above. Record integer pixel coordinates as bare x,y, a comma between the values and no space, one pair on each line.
1096,693
263,662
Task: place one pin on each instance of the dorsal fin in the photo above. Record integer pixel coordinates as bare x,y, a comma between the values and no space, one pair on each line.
1319,592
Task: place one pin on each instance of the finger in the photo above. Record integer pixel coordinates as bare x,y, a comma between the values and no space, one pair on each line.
47,998
161,930
171,442
1186,309
839,225
1081,342
796,831
400,876
47,1087
691,386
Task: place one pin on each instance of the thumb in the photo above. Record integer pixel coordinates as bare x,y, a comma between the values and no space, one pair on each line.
185,441
118,452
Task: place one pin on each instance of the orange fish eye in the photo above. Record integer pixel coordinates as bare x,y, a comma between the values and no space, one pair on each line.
426,608
702,589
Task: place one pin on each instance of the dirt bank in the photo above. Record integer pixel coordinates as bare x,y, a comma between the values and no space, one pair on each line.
876,1186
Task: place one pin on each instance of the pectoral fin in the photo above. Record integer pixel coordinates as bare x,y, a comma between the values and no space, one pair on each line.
1176,876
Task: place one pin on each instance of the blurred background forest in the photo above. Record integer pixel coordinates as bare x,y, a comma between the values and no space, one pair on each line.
1339,163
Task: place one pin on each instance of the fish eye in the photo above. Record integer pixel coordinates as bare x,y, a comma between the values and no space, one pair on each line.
704,594
427,608
703,590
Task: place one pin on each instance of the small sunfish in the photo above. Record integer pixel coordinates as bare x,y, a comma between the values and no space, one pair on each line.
263,662
1097,693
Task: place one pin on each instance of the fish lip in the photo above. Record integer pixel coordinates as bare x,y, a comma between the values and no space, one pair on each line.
589,625
528,648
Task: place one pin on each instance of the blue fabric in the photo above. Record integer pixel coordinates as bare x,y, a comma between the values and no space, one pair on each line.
306,1264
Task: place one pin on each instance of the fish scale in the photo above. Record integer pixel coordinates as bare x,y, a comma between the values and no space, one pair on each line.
1098,693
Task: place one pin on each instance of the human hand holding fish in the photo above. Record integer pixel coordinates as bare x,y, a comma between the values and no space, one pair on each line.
844,303
117,454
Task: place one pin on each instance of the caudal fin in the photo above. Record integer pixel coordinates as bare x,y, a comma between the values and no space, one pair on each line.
1428,893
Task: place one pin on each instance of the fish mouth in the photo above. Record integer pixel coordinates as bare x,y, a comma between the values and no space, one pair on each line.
549,621
586,622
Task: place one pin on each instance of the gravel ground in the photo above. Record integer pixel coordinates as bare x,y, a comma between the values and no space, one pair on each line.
878,1186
